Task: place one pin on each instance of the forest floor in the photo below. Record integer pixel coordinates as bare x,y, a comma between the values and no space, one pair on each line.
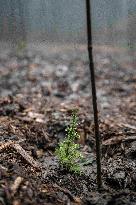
38,90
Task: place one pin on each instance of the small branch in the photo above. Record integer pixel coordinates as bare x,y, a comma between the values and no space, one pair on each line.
21,151
128,126
118,139
26,156
8,144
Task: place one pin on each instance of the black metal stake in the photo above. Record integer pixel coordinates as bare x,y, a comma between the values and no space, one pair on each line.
94,98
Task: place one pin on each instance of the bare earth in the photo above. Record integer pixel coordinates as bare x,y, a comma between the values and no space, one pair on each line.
38,90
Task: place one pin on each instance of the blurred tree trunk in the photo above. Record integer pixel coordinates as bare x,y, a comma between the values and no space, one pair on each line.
4,20
12,23
17,24
22,25
131,36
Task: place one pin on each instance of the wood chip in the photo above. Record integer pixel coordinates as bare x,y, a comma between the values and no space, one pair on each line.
26,156
128,126
113,140
21,151
16,185
129,138
118,139
8,144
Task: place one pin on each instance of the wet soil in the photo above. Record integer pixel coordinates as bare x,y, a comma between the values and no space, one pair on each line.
38,90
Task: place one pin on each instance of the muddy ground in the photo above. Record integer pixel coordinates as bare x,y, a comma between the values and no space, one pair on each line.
38,90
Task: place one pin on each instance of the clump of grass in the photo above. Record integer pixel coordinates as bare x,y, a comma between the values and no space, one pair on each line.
68,151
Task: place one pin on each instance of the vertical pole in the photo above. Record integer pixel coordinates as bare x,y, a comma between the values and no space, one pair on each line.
94,98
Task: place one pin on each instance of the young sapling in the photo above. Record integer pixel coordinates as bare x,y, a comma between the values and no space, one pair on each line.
68,151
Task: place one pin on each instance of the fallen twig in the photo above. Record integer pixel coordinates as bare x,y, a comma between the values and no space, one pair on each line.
8,144
21,151
118,139
128,126
26,156
129,138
